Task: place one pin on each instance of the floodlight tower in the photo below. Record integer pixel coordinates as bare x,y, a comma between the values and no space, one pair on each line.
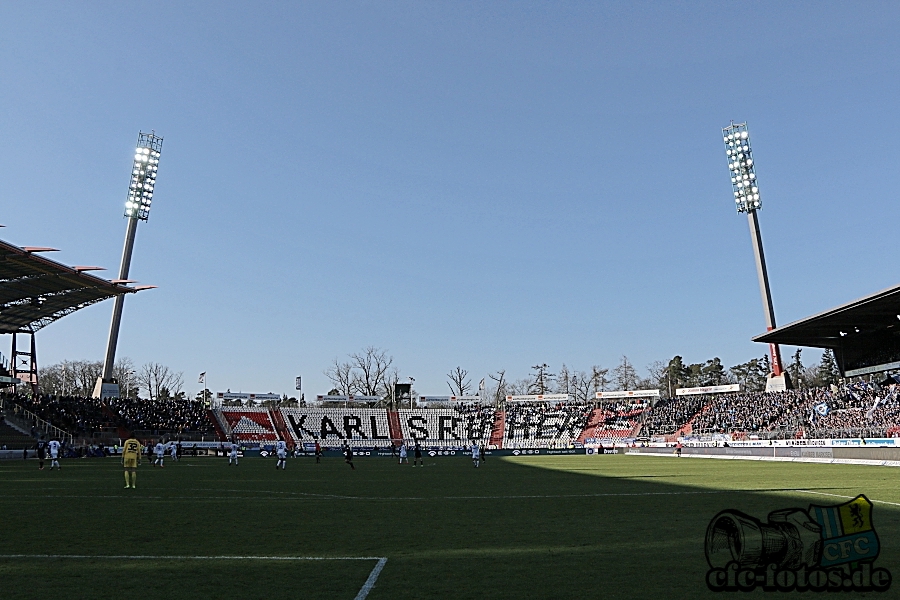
137,208
746,197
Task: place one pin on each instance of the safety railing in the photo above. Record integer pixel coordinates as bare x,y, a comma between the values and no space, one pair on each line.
31,422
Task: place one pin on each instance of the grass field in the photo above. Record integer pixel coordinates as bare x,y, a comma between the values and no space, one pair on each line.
526,527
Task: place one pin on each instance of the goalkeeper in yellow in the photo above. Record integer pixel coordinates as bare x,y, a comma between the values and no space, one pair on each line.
131,458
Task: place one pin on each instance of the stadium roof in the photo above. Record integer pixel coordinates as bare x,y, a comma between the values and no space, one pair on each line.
877,313
35,291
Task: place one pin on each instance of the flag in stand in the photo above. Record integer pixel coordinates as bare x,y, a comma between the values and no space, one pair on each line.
202,377
481,385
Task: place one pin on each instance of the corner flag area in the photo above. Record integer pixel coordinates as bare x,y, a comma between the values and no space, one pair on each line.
517,527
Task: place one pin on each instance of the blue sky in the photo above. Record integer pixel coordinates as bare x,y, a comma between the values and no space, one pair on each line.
491,185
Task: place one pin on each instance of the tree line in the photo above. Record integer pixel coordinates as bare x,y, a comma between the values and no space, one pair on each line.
78,377
372,372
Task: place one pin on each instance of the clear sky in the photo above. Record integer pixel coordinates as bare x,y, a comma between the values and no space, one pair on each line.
490,185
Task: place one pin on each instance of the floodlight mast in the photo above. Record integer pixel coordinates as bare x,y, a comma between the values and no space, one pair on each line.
746,197
137,208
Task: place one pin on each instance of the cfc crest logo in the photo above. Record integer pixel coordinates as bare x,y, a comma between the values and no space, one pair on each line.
823,548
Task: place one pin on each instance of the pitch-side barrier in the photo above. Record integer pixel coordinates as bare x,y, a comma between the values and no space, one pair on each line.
875,451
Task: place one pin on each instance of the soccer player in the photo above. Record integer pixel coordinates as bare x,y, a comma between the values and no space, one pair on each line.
318,452
281,452
417,454
348,456
160,453
678,449
54,446
41,448
173,451
131,458
232,455
476,454
403,453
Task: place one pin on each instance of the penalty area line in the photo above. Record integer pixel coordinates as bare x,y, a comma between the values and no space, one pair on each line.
363,591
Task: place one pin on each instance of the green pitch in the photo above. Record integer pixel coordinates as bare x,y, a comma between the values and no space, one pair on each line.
528,527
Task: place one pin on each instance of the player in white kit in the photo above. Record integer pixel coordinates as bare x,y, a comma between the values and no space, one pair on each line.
173,451
232,455
160,451
54,446
403,453
281,451
476,454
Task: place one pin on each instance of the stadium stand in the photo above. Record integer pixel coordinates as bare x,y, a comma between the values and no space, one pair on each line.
361,426
756,411
539,425
74,414
247,424
671,415
857,410
614,421
448,426
13,439
174,415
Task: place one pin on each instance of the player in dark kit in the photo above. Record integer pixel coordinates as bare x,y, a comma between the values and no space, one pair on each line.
318,452
41,447
417,456
348,456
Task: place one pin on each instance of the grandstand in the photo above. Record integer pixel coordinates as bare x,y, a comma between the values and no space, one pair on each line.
863,333
368,427
36,291
248,425
458,426
855,410
545,424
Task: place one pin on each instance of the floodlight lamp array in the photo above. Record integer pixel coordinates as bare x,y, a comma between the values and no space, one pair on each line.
143,176
743,172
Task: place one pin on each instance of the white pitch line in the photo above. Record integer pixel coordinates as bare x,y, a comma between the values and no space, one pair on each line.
848,497
370,582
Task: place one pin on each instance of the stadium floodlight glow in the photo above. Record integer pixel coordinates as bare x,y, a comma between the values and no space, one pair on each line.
137,208
744,184
745,187
143,176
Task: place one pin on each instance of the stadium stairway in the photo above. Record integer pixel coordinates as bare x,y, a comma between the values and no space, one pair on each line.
14,439
598,415
281,427
121,430
214,419
498,429
396,431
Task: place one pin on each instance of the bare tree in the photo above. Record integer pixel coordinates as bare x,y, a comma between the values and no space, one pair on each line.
519,387
657,376
500,390
391,379
86,373
126,375
584,385
564,380
340,374
160,381
625,376
459,385
542,378
599,374
371,368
